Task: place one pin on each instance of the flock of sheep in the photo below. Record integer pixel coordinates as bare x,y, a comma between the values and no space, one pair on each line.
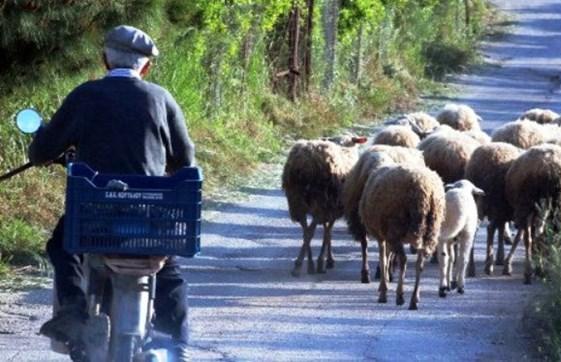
426,182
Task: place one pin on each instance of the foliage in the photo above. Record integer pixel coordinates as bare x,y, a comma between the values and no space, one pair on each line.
544,313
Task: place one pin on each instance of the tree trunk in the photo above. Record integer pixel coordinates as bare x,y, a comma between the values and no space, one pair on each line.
468,14
308,49
330,17
293,58
357,61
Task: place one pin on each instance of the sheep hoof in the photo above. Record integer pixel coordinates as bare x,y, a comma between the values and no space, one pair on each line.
365,276
330,264
453,285
507,270
461,290
390,279
382,299
413,306
447,289
528,278
489,269
321,267
442,292
399,300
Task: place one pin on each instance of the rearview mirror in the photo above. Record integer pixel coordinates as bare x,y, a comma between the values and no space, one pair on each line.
28,120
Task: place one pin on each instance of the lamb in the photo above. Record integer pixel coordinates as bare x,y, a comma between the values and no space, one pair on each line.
459,116
459,227
372,159
312,180
403,204
397,136
447,153
487,170
539,115
533,188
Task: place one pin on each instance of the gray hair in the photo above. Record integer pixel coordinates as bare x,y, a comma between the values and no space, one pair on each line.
117,58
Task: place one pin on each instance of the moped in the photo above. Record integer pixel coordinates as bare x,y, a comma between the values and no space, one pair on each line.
124,226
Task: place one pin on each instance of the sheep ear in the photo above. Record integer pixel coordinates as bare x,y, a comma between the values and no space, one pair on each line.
448,187
360,140
477,191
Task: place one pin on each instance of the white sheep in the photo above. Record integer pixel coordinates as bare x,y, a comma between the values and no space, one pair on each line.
458,228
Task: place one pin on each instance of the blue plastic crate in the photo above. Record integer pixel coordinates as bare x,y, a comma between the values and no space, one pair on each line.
153,216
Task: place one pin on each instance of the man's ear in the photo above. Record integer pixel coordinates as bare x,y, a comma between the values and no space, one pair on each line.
145,69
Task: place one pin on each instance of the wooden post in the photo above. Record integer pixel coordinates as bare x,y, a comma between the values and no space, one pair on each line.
294,43
308,49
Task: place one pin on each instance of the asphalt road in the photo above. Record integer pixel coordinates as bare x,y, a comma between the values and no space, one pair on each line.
245,305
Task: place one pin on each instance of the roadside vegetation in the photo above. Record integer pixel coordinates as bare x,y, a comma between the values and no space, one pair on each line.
249,75
543,315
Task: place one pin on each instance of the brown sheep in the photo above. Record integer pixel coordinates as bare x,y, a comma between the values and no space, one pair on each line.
397,136
403,204
369,161
487,170
480,136
533,186
522,134
460,117
447,153
539,115
312,180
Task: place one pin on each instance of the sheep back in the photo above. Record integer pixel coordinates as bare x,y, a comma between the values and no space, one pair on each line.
424,121
534,176
487,170
539,115
522,134
313,177
397,135
403,204
478,135
459,116
448,153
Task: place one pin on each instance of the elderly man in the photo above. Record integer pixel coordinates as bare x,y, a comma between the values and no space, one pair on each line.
125,125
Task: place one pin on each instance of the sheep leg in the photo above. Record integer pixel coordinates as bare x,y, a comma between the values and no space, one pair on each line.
330,260
462,263
383,288
442,267
489,260
416,297
402,259
471,265
365,272
528,269
327,227
501,246
507,234
508,261
308,233
452,281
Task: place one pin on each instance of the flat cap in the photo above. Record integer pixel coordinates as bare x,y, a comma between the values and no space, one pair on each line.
131,39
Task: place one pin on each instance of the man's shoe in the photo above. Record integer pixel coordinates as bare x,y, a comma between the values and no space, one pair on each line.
66,326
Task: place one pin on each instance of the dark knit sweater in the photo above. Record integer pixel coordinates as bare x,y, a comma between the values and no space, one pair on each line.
118,125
